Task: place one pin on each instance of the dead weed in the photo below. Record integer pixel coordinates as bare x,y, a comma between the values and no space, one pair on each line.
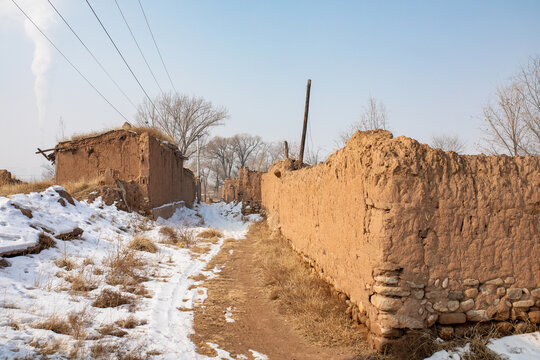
111,298
210,233
142,243
111,330
74,324
130,322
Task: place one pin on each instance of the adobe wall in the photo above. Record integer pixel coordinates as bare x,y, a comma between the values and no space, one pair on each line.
245,188
167,181
189,188
137,169
416,236
7,179
116,154
228,191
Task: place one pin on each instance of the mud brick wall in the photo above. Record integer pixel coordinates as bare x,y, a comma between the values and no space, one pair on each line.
147,171
246,188
416,237
7,179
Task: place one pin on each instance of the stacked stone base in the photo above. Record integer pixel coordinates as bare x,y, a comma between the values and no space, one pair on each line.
448,307
442,307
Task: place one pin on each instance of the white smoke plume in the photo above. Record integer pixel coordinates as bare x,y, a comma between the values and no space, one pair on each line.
43,15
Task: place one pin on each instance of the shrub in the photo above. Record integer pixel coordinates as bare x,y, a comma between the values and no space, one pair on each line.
112,330
130,322
171,236
110,298
81,281
210,233
74,325
142,243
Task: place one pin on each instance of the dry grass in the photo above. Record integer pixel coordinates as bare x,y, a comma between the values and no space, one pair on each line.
25,188
302,296
142,243
78,189
113,349
417,345
65,262
111,298
182,238
130,322
210,233
138,129
111,330
9,306
81,189
171,236
124,266
45,348
74,325
88,261
82,281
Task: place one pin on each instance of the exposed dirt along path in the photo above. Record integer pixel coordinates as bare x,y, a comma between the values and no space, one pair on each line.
256,323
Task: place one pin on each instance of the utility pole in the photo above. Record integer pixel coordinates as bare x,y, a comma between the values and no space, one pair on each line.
304,129
198,172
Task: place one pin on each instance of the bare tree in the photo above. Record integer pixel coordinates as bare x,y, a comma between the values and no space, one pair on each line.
49,172
181,117
245,147
269,152
529,80
448,143
220,150
373,117
505,129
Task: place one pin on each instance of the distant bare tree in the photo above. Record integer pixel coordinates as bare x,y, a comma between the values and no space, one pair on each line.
245,147
220,150
505,129
311,156
373,117
49,172
181,117
448,143
529,80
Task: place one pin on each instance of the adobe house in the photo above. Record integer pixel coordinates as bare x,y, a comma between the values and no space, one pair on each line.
144,172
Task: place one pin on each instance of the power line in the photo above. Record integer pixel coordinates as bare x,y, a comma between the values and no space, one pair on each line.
124,59
157,48
138,47
70,63
93,56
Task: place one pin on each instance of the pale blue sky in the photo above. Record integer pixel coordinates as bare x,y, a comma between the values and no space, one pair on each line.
434,64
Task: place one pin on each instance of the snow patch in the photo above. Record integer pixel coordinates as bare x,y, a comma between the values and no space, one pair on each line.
34,288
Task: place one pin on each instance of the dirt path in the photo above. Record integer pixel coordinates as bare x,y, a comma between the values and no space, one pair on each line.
257,325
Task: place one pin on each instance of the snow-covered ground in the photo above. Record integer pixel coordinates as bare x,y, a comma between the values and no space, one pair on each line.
37,289
515,347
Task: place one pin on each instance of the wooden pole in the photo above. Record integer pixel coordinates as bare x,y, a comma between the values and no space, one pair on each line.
198,173
286,150
304,129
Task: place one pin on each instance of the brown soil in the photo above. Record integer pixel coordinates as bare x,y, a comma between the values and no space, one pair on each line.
258,324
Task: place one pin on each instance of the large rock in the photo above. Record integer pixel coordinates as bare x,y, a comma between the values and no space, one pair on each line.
477,315
386,303
452,318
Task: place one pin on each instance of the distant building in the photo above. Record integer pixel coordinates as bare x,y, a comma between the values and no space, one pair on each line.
133,167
